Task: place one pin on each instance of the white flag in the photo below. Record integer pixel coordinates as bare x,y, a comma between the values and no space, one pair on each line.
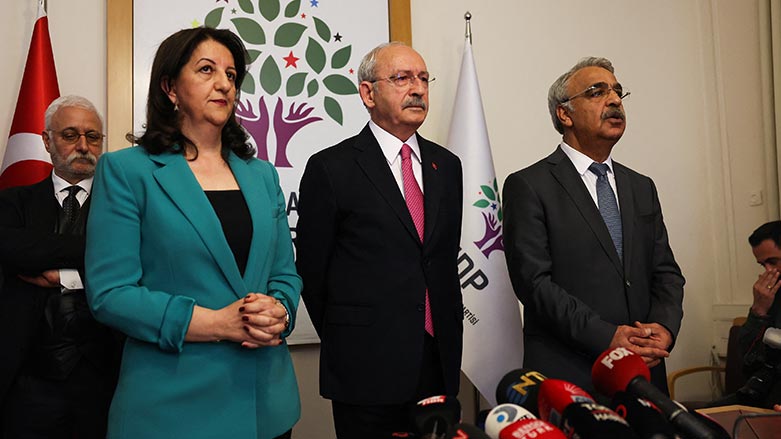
493,340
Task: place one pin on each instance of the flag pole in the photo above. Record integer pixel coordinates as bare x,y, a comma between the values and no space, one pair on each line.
468,19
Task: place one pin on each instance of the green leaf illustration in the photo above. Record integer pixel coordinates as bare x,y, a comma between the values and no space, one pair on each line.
246,6
292,8
253,55
482,204
312,88
315,55
496,188
249,30
322,29
269,9
289,34
270,78
213,18
295,85
341,57
248,85
333,109
499,214
340,85
488,192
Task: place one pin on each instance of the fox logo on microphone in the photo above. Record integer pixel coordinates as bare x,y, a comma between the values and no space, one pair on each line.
615,354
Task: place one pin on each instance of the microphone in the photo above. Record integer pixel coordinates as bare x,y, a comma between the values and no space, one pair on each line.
644,418
531,429
758,387
620,369
503,415
434,415
589,420
555,395
465,431
520,387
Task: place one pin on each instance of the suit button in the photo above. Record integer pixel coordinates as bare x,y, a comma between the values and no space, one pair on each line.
421,307
628,284
427,263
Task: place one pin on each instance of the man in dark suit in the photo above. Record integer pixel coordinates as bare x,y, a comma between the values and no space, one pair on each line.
59,365
593,272
377,246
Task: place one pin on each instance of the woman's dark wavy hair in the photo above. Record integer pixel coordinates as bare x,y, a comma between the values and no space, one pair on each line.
163,132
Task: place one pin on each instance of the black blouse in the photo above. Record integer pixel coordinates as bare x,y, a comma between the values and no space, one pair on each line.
232,210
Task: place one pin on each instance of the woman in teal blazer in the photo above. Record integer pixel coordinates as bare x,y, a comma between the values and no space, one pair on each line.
189,254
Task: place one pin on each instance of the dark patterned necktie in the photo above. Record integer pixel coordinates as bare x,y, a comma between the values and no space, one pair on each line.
608,206
70,208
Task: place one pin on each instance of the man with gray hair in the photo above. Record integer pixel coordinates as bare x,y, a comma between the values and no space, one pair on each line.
379,224
59,366
585,242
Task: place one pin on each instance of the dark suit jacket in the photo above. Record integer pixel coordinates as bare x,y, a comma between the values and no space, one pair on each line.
365,270
566,271
28,245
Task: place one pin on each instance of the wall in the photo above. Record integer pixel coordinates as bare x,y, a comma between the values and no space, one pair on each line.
695,119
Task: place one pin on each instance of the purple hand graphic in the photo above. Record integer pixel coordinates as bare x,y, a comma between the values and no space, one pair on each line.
256,125
493,230
285,128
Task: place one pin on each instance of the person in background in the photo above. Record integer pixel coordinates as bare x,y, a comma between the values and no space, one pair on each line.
585,241
379,224
59,365
189,254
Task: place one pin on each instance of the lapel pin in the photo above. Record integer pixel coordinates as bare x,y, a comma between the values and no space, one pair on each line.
434,165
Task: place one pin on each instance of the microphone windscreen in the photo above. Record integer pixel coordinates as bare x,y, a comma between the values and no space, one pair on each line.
520,387
466,431
435,415
555,395
645,419
588,420
531,429
503,415
615,368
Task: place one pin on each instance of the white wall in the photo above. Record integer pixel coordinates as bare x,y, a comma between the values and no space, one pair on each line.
695,121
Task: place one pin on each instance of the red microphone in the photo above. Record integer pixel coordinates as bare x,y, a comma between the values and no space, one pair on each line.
555,395
531,429
620,369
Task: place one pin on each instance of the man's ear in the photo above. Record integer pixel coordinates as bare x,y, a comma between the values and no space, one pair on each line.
366,89
563,114
46,140
169,88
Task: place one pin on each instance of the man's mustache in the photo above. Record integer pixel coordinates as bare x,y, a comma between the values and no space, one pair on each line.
415,101
613,113
83,156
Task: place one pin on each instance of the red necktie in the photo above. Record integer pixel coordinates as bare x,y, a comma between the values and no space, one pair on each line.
414,198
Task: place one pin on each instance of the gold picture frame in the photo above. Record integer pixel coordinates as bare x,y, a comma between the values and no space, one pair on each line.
119,57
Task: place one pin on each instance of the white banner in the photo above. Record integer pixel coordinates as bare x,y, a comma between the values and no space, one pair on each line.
493,340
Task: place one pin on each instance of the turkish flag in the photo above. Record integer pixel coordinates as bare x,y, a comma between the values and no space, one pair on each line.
26,160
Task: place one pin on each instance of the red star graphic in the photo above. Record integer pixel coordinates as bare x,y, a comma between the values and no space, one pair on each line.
291,60
352,71
303,15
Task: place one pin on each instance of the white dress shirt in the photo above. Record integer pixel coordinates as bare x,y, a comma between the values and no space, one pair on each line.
391,149
69,277
582,162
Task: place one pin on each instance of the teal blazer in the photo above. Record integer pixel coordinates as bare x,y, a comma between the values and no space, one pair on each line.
155,248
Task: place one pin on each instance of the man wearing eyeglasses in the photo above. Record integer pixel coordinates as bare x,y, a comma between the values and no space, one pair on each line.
59,365
379,223
585,243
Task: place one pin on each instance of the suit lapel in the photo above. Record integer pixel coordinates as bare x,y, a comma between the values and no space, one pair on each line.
373,163
261,209
43,210
626,202
178,182
565,173
432,186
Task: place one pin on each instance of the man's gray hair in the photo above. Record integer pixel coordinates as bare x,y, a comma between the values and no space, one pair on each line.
369,62
68,101
558,90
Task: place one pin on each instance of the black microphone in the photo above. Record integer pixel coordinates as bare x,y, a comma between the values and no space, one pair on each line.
644,418
758,387
434,415
520,387
620,369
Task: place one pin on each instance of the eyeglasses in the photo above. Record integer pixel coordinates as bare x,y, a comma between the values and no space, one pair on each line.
600,90
71,136
405,79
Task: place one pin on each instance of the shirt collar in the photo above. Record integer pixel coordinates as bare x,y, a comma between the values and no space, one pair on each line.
391,145
60,184
582,161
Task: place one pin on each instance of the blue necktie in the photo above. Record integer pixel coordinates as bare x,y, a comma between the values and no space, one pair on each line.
608,206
